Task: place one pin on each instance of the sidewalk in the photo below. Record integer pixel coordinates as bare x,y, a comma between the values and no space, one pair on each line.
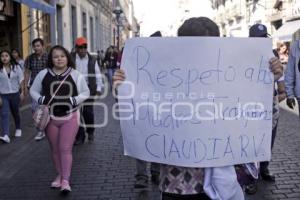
101,171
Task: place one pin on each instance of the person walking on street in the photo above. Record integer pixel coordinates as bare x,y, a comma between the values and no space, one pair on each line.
11,80
260,30
111,58
88,66
102,56
173,184
247,180
35,63
64,109
141,177
17,56
283,53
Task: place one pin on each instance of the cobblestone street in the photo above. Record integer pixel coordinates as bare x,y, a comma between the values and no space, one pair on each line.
100,170
285,161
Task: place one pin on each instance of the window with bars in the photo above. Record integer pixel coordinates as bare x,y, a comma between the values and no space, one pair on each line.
92,42
73,23
84,25
42,26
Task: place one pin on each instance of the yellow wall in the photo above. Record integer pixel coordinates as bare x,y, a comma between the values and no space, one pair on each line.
25,34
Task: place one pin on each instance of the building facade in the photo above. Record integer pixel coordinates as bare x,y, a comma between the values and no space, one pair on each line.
125,24
62,21
21,22
10,24
87,18
285,18
234,17
105,29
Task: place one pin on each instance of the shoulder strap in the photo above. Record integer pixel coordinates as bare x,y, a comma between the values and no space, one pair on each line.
58,88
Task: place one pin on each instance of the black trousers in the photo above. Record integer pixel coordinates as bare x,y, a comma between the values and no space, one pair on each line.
168,196
87,119
264,165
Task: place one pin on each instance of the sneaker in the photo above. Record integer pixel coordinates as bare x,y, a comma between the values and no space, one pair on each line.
18,133
5,139
65,187
141,182
267,176
56,183
39,136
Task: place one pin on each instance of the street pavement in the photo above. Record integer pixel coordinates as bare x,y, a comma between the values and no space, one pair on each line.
285,162
101,171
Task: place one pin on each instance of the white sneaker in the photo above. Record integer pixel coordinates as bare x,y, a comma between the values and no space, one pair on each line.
18,133
39,136
5,139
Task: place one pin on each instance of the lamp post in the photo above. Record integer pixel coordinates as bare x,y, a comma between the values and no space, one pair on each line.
117,11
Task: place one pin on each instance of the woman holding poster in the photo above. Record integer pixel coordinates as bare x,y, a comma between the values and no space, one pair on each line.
217,183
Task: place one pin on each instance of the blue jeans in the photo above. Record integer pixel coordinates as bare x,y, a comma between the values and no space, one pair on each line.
265,164
110,74
11,103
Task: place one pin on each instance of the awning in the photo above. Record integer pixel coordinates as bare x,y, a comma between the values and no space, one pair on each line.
286,31
39,4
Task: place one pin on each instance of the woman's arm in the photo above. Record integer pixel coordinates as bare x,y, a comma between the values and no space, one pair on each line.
36,88
82,88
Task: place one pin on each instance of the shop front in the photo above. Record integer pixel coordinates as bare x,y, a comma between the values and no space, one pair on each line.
290,29
10,25
38,21
23,20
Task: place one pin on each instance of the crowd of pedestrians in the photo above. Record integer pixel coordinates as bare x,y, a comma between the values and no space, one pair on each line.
71,82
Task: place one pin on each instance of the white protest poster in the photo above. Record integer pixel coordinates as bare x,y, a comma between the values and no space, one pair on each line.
197,101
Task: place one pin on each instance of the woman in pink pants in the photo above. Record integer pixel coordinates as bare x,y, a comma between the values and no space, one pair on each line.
64,109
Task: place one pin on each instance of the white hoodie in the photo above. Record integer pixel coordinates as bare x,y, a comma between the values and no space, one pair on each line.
220,183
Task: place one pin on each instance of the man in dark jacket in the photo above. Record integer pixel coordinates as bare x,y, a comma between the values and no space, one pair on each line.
88,66
249,182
